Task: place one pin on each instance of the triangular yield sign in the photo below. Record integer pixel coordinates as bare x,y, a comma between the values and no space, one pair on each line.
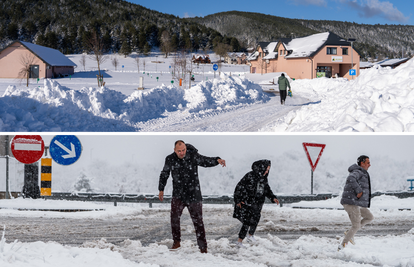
313,152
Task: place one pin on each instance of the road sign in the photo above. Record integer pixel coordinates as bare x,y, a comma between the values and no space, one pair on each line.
27,148
215,67
352,72
65,149
313,152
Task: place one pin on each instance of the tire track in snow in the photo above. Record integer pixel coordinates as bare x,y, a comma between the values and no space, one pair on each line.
244,119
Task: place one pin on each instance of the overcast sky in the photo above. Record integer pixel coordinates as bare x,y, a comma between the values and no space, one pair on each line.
155,147
359,11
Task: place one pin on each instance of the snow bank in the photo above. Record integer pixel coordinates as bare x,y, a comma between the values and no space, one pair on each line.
379,100
57,108
54,254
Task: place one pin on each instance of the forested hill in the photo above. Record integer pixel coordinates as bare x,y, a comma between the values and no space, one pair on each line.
372,40
68,24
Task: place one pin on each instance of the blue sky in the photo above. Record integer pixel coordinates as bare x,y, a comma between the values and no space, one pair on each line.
359,11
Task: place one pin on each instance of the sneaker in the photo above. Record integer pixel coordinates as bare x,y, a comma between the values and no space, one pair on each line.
341,246
251,239
240,244
176,245
351,240
203,250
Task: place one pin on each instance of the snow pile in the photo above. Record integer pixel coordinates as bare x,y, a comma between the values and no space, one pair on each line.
379,100
57,108
54,254
307,250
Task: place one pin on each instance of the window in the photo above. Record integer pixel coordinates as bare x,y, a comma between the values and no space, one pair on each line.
344,51
331,50
281,52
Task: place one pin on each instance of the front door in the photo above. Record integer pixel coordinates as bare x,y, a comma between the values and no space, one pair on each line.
34,71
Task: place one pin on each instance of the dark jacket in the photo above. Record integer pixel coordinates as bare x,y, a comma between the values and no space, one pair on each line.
283,83
184,172
252,189
358,181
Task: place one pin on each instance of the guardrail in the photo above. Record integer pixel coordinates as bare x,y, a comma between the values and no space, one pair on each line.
150,199
207,199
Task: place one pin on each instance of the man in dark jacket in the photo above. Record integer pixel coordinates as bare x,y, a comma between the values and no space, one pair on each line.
356,198
183,166
249,197
283,85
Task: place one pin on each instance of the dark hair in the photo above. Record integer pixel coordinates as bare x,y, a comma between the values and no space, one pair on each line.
361,159
283,74
178,141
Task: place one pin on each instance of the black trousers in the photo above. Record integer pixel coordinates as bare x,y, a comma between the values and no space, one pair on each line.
196,213
283,94
251,225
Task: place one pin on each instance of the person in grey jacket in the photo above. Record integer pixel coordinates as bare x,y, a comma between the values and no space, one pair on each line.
356,198
283,85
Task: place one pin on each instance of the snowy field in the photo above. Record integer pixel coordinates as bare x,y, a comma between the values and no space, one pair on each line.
380,100
310,249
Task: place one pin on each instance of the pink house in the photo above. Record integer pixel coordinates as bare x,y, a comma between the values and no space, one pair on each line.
319,55
44,62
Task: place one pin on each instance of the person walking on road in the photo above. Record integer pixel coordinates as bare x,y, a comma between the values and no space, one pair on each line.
183,167
249,197
356,198
283,85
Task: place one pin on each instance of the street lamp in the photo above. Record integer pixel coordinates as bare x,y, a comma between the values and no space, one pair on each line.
352,40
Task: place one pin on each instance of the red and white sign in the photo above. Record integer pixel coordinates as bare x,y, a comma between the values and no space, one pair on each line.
27,148
314,153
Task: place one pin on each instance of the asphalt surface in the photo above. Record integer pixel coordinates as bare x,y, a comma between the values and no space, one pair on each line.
153,225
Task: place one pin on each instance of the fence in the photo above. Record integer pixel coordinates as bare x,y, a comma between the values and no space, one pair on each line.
224,199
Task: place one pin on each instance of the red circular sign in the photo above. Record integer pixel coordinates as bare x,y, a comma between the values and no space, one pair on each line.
27,148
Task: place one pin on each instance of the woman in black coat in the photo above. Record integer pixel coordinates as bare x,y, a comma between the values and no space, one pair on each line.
249,197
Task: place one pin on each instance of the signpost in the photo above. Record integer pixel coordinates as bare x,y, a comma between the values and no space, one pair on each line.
215,68
313,152
27,149
352,72
65,149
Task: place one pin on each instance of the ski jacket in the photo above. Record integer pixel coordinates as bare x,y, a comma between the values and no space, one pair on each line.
283,83
358,181
252,189
184,172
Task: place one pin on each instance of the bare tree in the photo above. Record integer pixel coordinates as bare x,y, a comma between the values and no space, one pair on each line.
166,45
136,59
115,62
183,67
82,61
96,47
26,60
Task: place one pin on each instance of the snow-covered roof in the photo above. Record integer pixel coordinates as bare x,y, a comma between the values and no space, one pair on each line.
383,63
306,46
253,56
270,50
392,62
50,56
310,45
301,47
364,65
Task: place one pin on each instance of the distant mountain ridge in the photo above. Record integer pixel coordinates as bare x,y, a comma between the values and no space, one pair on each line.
372,40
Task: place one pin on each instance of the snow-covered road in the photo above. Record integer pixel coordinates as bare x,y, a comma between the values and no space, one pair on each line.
249,118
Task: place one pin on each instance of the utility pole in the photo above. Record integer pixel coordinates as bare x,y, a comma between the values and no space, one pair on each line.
7,167
352,40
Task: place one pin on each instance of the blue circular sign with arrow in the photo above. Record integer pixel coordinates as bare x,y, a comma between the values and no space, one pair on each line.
65,149
215,67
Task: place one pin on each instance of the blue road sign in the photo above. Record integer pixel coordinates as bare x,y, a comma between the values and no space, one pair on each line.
65,149
352,72
215,67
